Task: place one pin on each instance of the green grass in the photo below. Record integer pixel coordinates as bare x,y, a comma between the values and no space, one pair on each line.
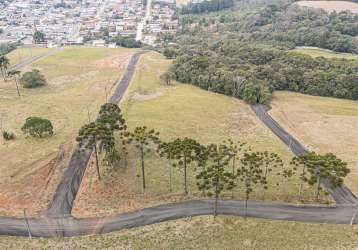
316,52
79,79
175,111
204,232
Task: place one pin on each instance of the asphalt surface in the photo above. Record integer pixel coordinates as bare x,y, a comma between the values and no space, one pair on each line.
69,226
65,194
58,221
341,195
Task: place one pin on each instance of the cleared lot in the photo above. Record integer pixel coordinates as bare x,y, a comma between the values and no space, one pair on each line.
79,80
322,124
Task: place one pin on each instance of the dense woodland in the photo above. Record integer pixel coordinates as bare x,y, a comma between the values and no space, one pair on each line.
206,6
246,53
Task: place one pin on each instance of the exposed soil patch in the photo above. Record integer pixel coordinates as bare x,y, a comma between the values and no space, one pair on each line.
68,79
115,61
144,95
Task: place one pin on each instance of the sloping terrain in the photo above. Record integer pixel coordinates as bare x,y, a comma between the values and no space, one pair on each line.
331,6
322,124
175,111
79,81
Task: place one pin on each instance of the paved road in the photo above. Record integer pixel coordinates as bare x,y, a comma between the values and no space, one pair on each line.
342,195
62,202
69,226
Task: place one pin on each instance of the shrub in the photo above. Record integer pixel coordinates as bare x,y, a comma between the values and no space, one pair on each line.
8,135
33,79
37,127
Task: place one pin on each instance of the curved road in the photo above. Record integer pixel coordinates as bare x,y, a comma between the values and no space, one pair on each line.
59,222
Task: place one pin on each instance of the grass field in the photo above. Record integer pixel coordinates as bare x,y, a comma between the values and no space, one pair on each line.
323,124
331,6
22,54
79,79
317,52
206,233
176,111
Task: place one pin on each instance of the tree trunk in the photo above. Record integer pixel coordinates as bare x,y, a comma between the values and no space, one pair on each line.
17,87
97,162
233,173
142,161
301,186
216,204
170,177
318,187
246,199
185,177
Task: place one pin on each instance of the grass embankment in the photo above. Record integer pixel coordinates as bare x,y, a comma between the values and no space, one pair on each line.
323,124
78,79
317,52
206,233
175,111
22,54
331,6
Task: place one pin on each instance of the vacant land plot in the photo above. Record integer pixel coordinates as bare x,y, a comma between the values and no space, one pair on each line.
317,52
322,124
205,232
22,54
331,6
79,81
175,111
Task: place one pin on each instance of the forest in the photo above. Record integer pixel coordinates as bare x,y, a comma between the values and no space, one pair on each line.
247,54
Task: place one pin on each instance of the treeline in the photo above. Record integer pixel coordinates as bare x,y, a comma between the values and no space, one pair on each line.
251,72
126,41
206,6
292,26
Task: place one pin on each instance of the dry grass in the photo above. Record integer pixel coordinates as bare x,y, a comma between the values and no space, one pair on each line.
331,6
317,52
176,111
22,54
77,86
225,232
322,124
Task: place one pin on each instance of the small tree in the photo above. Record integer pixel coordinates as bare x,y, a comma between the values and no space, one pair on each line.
32,79
8,136
214,179
39,37
168,149
167,77
37,127
97,135
4,64
15,75
319,167
250,173
142,137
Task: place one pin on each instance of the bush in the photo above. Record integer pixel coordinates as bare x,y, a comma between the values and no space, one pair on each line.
37,127
8,135
33,79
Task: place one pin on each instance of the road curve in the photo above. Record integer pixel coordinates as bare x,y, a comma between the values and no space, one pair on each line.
65,194
69,226
342,195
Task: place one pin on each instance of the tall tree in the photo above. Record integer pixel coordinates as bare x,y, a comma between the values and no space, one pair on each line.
39,37
15,75
143,138
214,178
251,173
98,136
320,167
